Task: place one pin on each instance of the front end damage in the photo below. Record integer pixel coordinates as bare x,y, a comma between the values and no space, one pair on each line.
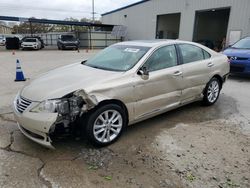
39,126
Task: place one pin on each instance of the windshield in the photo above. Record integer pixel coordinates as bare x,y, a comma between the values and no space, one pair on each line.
117,58
68,37
29,40
243,43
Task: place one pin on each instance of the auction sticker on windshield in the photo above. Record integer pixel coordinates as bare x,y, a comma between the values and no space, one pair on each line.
133,50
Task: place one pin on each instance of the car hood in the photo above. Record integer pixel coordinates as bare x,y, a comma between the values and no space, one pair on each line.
67,79
237,52
29,43
69,41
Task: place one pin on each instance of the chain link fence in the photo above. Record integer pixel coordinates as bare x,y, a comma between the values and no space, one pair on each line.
93,39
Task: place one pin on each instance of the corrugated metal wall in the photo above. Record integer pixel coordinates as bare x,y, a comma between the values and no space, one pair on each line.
141,19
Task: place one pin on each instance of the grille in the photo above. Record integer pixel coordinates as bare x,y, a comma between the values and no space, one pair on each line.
22,104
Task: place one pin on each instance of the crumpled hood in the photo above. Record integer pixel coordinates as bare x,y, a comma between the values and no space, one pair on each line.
64,80
237,52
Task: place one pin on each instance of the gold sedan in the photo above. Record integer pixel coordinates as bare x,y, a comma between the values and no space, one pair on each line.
123,84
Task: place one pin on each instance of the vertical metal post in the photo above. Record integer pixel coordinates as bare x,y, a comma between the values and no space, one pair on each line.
90,38
31,30
51,40
93,11
106,39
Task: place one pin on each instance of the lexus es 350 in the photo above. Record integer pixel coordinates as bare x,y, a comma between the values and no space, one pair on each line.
123,84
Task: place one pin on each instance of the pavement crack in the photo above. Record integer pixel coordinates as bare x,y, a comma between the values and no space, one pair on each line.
8,148
6,119
41,178
6,113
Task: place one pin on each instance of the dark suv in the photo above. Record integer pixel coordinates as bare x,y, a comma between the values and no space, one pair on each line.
67,42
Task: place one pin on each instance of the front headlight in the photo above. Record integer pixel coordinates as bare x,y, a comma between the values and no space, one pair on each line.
63,106
48,106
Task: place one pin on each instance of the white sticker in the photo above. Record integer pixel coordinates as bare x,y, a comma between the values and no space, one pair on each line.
133,50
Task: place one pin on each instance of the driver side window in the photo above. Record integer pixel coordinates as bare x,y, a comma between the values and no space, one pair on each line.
162,58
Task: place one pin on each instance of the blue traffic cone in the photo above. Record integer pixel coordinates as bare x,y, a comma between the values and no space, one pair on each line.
19,72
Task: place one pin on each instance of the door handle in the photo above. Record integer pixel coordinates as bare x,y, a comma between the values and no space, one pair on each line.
210,64
177,73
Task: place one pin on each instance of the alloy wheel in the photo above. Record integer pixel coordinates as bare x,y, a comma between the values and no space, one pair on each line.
107,126
213,91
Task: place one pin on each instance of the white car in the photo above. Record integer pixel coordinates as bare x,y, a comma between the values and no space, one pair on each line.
123,84
2,41
31,43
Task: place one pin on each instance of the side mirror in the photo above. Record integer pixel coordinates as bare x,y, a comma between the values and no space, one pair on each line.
144,73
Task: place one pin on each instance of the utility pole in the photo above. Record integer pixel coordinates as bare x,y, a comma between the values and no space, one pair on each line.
93,11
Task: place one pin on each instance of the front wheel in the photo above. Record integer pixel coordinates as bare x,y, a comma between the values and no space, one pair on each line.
105,124
212,92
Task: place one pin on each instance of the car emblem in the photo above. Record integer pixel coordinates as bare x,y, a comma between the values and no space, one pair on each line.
233,58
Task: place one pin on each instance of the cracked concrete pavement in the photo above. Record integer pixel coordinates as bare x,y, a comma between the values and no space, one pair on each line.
194,146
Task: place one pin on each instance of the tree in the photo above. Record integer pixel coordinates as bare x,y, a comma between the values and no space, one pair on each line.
26,27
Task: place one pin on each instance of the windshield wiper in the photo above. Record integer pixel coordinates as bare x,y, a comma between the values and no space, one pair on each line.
104,68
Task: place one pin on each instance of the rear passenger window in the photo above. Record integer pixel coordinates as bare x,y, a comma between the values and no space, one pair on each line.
191,53
206,54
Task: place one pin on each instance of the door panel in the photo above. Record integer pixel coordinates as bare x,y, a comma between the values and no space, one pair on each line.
195,69
195,78
161,90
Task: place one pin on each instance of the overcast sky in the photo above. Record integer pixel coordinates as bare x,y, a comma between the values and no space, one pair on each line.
58,9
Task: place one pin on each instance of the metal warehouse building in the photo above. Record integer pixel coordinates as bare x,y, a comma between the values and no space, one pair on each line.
193,20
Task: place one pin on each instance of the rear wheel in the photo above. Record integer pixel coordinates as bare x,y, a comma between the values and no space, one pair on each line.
212,92
105,124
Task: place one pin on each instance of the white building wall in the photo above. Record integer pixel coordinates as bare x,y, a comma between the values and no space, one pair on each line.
141,19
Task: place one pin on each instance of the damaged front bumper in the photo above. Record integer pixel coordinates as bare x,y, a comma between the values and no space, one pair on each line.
40,138
36,126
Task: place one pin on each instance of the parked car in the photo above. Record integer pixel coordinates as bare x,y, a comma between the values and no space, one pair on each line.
2,41
123,84
239,56
31,43
12,42
67,42
37,37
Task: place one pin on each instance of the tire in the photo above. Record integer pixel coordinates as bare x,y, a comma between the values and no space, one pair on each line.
100,131
212,92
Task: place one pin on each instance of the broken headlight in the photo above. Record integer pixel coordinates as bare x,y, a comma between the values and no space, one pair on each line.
48,106
65,106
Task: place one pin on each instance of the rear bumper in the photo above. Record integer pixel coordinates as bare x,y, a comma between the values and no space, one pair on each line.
225,77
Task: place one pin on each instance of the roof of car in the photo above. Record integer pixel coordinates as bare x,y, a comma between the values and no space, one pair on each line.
150,43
